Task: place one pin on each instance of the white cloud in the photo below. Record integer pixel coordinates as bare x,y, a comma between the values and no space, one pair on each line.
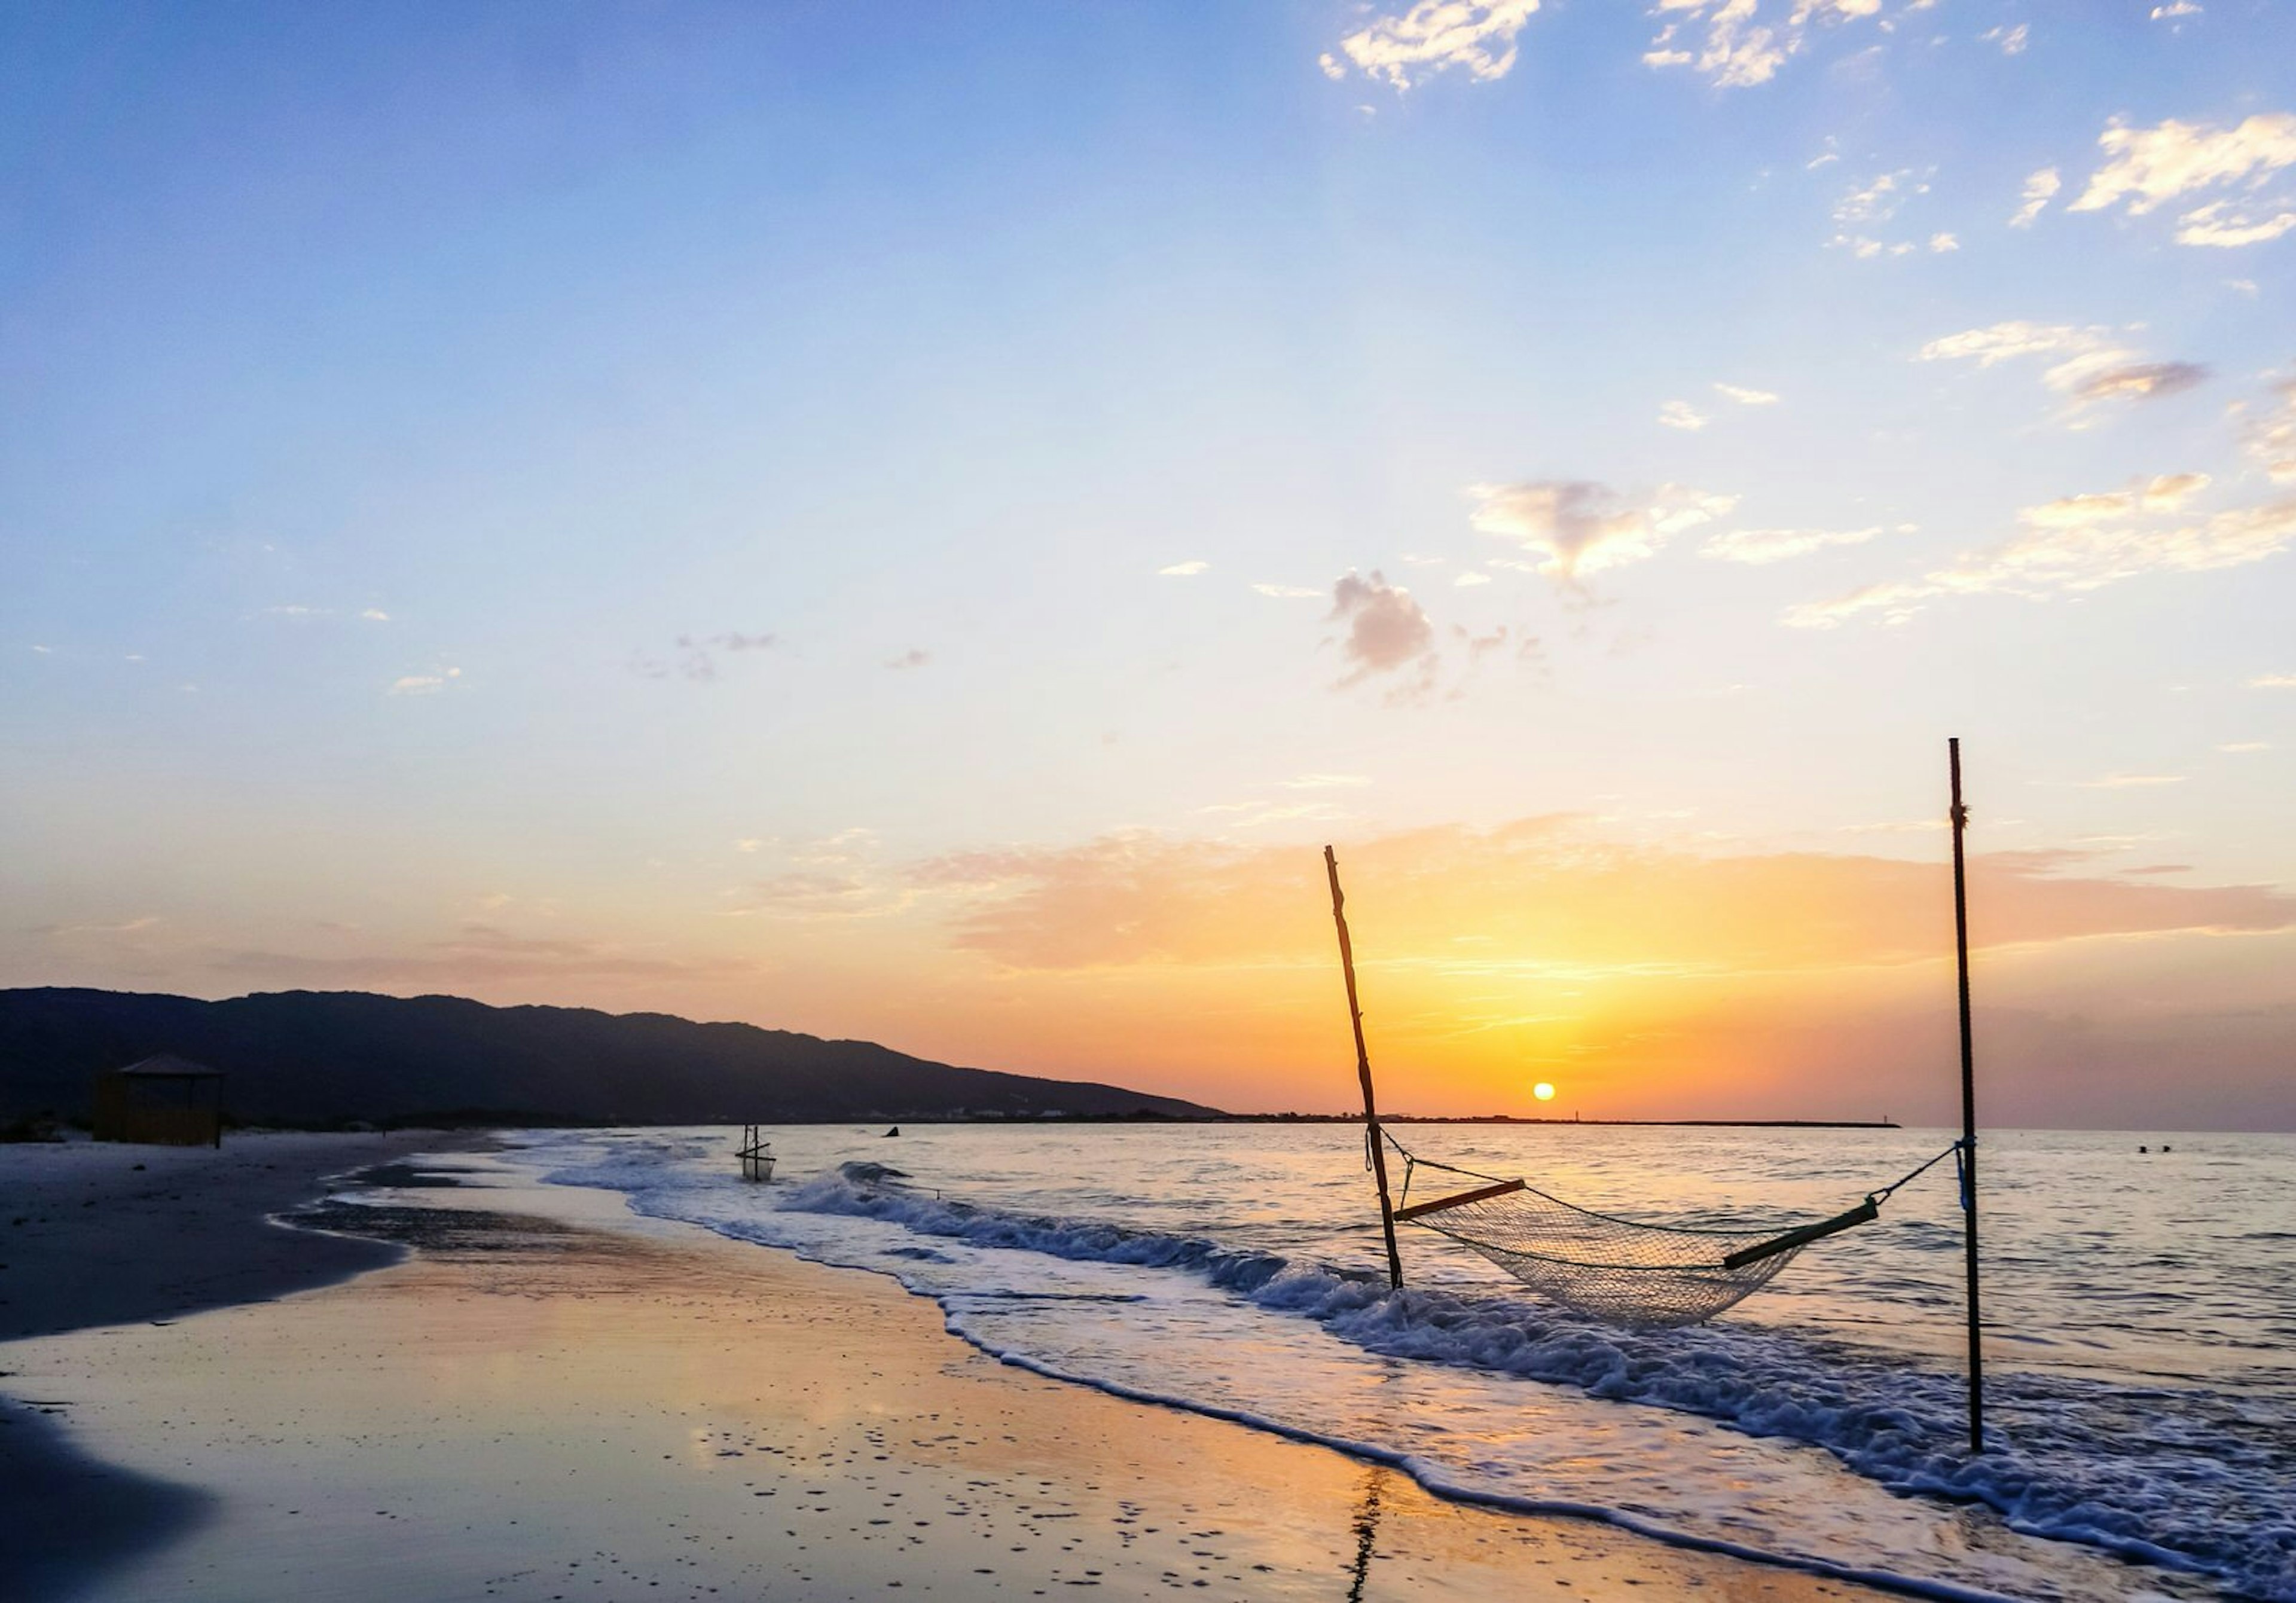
1290,592
1941,242
2039,190
1467,580
422,684
1737,53
2082,543
375,615
1866,249
2090,366
2221,224
2011,40
2271,438
1759,547
1747,397
1325,781
1434,36
2273,682
1681,414
1182,570
2148,167
2182,8
1578,527
1880,200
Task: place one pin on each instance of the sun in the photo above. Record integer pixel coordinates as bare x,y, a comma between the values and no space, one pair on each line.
1543,1092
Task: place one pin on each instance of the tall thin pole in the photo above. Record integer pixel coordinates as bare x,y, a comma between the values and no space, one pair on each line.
1968,1110
1363,1072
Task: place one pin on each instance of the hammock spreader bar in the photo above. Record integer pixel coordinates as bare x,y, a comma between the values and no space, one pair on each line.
1418,1209
1865,1212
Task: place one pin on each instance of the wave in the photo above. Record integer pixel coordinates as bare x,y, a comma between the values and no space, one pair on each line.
2184,1478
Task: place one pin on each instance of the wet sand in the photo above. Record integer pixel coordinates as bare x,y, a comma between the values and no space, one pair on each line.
549,1400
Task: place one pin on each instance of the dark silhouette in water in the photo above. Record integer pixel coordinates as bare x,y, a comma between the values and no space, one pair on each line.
896,1130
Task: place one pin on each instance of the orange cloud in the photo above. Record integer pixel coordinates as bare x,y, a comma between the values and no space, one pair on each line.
1541,895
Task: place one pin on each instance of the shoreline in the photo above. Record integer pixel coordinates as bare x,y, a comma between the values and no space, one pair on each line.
697,1359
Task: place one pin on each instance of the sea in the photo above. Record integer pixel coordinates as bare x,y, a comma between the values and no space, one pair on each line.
2139,1335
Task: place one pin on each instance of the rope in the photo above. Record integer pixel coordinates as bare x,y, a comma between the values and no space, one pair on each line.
1954,1152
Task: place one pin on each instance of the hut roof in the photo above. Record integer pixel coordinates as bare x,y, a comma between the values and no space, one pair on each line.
167,1065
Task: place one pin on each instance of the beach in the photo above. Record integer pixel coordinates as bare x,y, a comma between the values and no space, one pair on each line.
525,1392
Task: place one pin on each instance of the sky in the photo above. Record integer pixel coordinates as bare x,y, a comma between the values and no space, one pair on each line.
919,525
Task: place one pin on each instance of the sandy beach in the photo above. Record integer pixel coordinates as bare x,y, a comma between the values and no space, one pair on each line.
545,1398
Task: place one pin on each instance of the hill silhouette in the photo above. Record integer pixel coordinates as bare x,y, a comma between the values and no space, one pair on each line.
313,1058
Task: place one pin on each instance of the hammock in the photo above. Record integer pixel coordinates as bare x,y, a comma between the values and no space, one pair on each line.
1650,1276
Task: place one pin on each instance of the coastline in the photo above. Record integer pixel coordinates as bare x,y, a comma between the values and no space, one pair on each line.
545,1391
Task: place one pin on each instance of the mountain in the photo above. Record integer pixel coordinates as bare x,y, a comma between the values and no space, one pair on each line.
311,1057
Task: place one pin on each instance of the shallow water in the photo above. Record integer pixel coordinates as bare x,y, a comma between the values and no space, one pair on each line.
2140,1325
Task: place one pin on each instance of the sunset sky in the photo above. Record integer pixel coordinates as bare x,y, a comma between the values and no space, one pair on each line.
920,524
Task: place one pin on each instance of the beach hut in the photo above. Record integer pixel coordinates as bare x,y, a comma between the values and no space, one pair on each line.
162,1101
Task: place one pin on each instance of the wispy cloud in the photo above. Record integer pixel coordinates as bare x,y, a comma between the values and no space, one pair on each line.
1578,527
1325,781
1746,397
2131,781
2086,365
1298,592
476,953
1183,570
1723,39
422,684
133,926
2269,437
2040,188
2273,682
375,615
696,656
1478,36
1863,212
1759,547
2011,41
1540,892
2080,543
1681,415
2146,168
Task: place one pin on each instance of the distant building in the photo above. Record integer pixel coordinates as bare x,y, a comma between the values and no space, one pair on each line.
161,1101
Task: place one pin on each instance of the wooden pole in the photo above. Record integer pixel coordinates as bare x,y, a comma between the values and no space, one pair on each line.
1363,1072
1968,1111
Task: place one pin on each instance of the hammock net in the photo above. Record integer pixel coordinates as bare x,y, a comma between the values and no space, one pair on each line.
1621,1271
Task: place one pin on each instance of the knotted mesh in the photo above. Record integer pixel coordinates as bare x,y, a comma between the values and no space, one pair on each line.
1650,1276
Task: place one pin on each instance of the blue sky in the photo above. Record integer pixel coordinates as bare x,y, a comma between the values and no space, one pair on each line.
609,504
